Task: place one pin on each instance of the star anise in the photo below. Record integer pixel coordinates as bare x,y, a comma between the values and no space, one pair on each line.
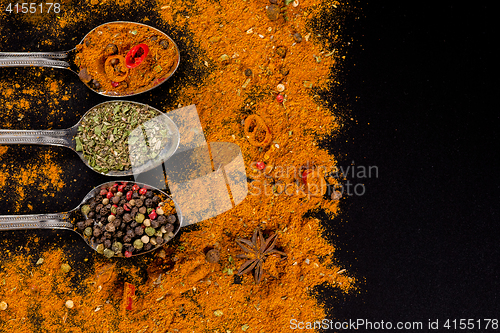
256,252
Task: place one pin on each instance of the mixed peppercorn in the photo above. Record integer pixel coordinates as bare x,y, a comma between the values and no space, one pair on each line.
125,219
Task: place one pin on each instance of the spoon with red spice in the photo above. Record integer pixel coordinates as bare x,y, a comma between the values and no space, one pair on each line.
114,59
129,136
113,231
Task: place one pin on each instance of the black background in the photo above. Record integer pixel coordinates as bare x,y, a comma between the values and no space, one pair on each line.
418,80
425,235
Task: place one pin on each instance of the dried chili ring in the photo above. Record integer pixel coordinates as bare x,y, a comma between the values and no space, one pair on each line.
257,132
136,55
115,68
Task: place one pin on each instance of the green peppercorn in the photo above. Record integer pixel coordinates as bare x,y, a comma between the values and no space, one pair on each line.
88,231
139,218
108,253
113,209
85,209
138,244
100,248
117,247
150,231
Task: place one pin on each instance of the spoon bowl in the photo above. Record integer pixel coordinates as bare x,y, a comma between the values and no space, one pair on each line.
70,221
74,59
163,141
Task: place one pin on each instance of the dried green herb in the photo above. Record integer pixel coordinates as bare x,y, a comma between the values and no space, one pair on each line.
119,135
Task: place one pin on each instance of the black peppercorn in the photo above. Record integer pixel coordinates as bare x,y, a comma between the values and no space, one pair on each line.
120,211
80,225
149,194
148,203
111,49
97,232
138,203
169,227
110,227
96,85
134,211
138,231
161,219
107,243
155,224
143,210
89,222
171,218
164,43
117,222
213,256
127,218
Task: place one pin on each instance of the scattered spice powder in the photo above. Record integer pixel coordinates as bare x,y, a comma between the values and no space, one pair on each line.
43,175
245,57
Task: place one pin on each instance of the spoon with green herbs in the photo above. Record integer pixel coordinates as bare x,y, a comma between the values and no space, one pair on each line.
117,138
117,219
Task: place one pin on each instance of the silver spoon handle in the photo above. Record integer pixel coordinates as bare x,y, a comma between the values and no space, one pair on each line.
38,62
51,55
63,137
36,221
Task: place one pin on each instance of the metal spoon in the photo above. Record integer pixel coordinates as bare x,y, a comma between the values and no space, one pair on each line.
66,60
67,220
66,138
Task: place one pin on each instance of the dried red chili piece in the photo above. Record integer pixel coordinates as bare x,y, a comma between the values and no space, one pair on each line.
153,215
257,132
128,294
136,55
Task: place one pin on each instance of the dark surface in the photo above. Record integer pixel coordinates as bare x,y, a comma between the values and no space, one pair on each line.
424,236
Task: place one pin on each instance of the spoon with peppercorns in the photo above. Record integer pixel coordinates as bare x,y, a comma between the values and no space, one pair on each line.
115,138
117,219
114,59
